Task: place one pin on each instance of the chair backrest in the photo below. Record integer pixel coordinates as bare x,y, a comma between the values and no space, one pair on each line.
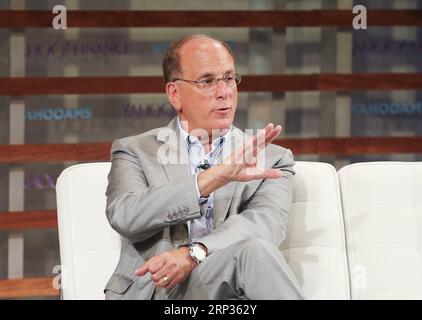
89,247
315,243
382,205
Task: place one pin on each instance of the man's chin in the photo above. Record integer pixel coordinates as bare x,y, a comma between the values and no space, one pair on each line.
222,124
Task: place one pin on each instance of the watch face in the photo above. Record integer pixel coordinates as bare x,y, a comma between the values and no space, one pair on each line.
198,253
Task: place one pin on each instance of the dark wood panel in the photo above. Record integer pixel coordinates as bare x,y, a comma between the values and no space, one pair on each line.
322,146
279,83
250,83
353,146
395,18
81,85
238,18
54,152
28,220
27,288
370,81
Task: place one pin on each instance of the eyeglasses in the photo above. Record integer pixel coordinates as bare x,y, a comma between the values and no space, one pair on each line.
209,84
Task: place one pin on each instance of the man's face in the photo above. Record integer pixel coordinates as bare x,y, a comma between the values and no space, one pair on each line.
200,59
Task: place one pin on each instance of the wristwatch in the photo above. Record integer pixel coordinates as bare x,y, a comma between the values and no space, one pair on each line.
197,253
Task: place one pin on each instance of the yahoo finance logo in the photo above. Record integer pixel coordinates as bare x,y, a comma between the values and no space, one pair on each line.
57,114
68,50
388,109
163,109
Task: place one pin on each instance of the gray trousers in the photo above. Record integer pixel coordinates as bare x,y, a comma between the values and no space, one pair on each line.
252,269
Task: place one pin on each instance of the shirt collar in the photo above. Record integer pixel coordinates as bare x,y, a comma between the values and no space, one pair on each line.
192,140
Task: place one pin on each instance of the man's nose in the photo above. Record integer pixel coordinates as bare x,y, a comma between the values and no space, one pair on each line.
222,90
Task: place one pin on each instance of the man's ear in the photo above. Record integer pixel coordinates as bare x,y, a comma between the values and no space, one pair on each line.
173,96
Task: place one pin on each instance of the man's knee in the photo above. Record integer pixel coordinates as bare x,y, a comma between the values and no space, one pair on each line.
257,247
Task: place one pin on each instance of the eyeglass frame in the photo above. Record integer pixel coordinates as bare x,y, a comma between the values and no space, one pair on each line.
201,84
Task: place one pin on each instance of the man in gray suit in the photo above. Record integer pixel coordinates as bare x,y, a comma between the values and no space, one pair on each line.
202,209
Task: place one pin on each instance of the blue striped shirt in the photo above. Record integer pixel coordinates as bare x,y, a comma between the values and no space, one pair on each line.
200,227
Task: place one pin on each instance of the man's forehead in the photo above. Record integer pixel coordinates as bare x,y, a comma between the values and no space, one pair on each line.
205,54
201,42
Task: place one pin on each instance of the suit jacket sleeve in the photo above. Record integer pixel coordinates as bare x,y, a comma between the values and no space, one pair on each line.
137,210
265,214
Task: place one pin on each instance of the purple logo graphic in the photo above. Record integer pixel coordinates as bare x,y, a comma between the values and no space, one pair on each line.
44,182
386,47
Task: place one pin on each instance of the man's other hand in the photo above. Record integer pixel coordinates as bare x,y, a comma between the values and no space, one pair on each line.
169,268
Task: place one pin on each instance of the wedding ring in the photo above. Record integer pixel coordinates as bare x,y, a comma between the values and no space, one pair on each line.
166,279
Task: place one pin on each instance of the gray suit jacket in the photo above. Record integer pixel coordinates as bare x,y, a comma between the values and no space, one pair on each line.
149,204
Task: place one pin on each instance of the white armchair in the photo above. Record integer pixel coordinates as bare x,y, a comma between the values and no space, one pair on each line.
315,245
355,234
382,207
89,247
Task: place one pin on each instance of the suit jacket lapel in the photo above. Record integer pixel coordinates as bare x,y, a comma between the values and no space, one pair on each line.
178,167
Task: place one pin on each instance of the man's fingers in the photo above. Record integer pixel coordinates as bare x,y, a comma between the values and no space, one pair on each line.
261,142
141,271
174,282
157,276
254,145
272,173
258,173
272,134
152,265
169,282
257,142
260,136
156,263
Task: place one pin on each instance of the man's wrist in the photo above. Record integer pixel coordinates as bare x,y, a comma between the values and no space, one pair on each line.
210,180
196,251
187,245
204,184
186,253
